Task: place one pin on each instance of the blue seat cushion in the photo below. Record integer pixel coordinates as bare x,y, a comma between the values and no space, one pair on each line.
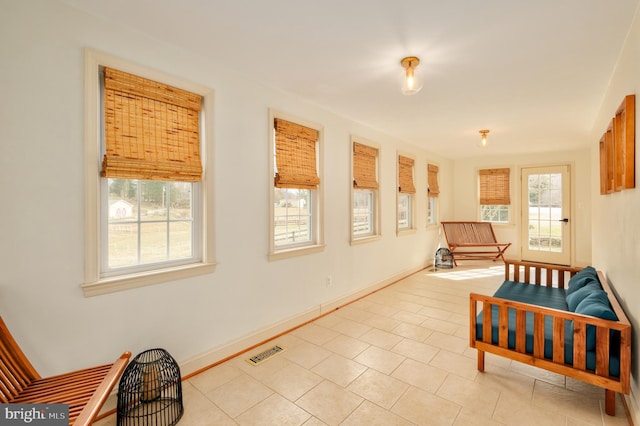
549,297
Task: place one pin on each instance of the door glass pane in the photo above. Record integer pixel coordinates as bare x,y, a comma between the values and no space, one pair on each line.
545,212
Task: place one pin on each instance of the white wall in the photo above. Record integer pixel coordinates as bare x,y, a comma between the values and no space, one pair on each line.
41,220
616,222
466,197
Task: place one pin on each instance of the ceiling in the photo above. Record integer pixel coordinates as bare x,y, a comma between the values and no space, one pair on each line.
533,72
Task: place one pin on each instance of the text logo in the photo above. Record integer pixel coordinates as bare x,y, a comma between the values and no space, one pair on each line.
34,414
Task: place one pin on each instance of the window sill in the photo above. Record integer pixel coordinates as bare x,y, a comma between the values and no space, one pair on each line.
126,282
403,232
364,240
298,251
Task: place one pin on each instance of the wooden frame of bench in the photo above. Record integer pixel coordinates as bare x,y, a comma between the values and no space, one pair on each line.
85,391
533,273
470,236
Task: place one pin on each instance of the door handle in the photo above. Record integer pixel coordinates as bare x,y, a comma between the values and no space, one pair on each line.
565,220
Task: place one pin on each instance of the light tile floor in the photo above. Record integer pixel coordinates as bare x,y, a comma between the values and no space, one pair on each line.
400,356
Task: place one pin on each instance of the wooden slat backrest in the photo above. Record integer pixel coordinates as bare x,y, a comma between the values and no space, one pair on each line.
468,233
16,372
533,272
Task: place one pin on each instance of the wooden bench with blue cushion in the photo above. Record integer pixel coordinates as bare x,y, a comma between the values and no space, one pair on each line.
562,319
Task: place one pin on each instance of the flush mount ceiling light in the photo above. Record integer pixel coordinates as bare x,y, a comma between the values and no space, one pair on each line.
483,141
411,80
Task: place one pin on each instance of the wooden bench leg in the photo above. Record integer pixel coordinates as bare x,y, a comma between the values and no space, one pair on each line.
481,361
610,402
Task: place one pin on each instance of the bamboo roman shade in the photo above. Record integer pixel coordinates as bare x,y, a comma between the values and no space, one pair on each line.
152,130
432,180
494,187
364,167
405,175
295,156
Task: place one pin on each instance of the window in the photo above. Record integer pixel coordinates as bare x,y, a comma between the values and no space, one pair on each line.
406,191
296,196
433,192
146,200
148,222
365,194
495,199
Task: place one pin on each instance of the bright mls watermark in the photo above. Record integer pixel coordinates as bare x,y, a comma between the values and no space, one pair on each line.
36,414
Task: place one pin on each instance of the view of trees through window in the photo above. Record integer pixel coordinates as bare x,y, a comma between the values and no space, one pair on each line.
498,213
149,221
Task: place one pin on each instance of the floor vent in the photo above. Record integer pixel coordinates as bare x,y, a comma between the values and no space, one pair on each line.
264,355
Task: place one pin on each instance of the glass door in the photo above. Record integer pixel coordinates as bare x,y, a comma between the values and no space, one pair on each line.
546,214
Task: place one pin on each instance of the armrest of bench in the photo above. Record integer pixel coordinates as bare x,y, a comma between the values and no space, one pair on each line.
89,413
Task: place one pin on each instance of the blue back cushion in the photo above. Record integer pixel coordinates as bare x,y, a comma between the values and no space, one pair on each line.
582,278
595,305
577,296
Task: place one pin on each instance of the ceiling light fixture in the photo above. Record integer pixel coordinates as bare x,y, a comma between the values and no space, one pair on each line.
411,80
484,142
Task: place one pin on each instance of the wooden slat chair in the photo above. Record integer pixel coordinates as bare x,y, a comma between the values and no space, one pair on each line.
473,240
85,391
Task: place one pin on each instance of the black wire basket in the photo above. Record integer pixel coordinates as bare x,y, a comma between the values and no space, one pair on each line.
150,391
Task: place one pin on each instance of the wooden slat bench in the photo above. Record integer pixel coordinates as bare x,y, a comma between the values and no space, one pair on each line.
85,391
526,321
472,241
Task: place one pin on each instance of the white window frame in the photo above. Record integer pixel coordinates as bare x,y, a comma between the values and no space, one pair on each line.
317,196
376,209
95,283
411,228
105,222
